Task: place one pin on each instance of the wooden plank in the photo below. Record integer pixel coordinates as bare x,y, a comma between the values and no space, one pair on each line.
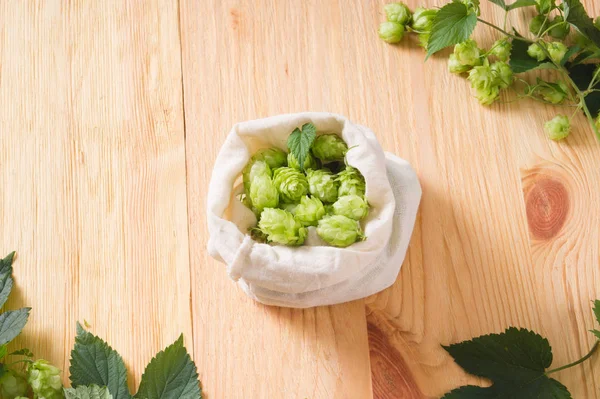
508,230
246,60
92,170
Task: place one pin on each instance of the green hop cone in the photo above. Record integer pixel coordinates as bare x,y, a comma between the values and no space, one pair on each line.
351,206
501,49
280,227
555,94
309,211
468,53
329,147
422,19
424,39
44,380
291,184
263,193
397,12
351,182
454,66
558,128
538,24
322,184
254,168
290,207
482,77
13,385
557,51
504,74
535,51
309,163
472,5
274,157
487,96
560,28
391,32
339,231
544,6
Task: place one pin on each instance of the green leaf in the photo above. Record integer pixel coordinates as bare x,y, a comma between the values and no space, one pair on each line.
11,324
570,53
6,280
94,362
515,361
577,16
596,333
521,3
170,375
500,3
3,351
520,61
87,392
597,310
453,24
582,75
22,352
300,142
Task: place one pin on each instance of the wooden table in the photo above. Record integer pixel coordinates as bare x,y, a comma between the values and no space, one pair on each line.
112,113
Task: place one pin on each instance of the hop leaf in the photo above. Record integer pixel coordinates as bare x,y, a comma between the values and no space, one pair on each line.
351,181
87,392
453,24
309,211
329,147
291,184
44,380
560,28
339,231
280,227
545,6
322,185
538,24
351,206
300,141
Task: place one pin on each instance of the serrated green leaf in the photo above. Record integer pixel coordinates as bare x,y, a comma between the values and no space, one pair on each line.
521,3
170,375
453,24
596,333
597,310
22,352
300,141
515,361
582,75
93,361
570,53
521,62
11,324
6,280
577,16
500,3
87,392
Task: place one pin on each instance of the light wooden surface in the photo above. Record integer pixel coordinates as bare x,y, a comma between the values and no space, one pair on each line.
111,115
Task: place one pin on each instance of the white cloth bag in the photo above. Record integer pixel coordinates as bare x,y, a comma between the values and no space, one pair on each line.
313,274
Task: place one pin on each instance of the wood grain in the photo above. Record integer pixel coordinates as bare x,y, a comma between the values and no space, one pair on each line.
112,113
92,170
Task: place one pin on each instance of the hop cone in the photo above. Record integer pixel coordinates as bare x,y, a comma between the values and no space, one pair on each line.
322,184
309,163
274,157
13,385
351,181
290,183
351,206
339,230
45,381
309,211
254,168
329,147
280,226
263,193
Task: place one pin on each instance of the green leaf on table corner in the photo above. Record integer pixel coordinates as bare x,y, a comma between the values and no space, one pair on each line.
499,3
453,24
6,280
582,75
521,62
22,352
576,15
12,323
515,361
170,375
520,3
93,361
300,141
87,392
